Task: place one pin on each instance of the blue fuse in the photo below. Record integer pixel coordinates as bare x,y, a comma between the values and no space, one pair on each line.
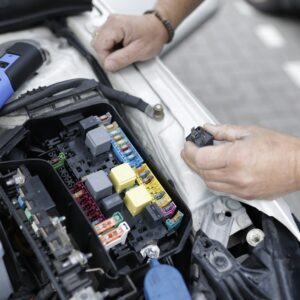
21,202
163,282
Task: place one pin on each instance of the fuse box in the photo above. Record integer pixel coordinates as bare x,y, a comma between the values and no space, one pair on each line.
110,204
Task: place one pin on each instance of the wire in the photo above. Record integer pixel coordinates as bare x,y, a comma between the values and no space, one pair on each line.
60,29
38,94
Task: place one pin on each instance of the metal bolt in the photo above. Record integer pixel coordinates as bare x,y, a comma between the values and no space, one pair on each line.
221,261
254,237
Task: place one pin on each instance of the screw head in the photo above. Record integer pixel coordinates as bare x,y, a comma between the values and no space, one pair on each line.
220,261
254,237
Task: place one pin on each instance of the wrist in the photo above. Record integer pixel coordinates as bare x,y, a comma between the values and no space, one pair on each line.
164,23
168,13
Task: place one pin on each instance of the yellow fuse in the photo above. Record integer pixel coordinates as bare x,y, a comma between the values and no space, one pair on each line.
146,178
122,177
137,199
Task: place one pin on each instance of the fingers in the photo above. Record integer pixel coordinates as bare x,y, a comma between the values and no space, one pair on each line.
141,37
104,41
122,58
228,133
206,158
106,38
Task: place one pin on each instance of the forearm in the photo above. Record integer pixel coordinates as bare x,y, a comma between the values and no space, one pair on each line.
176,10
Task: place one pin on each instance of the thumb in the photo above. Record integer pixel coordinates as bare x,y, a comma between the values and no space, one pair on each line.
228,133
121,58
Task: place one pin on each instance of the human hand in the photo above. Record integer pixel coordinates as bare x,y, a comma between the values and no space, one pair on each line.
255,163
140,38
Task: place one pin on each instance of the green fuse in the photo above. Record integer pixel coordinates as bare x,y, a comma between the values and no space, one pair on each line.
59,161
174,223
118,218
28,214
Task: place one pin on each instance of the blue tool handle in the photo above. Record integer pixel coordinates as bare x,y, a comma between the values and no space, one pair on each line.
18,64
6,88
163,282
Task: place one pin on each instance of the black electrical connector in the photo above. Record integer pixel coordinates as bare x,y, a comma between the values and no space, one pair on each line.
200,137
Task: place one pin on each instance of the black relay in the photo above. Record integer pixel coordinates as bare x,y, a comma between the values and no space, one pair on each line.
200,137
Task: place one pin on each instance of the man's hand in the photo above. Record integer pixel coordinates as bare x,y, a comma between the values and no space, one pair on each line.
123,40
255,163
138,38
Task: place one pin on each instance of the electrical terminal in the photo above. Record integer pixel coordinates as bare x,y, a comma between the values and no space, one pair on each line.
77,257
115,237
108,224
150,252
59,241
146,177
174,223
18,179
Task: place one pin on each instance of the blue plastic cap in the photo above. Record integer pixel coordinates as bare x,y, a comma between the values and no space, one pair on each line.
164,282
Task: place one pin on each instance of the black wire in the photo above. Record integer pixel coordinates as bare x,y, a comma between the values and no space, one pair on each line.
123,98
32,97
60,29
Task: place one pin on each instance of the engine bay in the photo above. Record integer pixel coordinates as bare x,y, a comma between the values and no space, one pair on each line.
93,193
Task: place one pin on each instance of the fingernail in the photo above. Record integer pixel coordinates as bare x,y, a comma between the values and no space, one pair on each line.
110,65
